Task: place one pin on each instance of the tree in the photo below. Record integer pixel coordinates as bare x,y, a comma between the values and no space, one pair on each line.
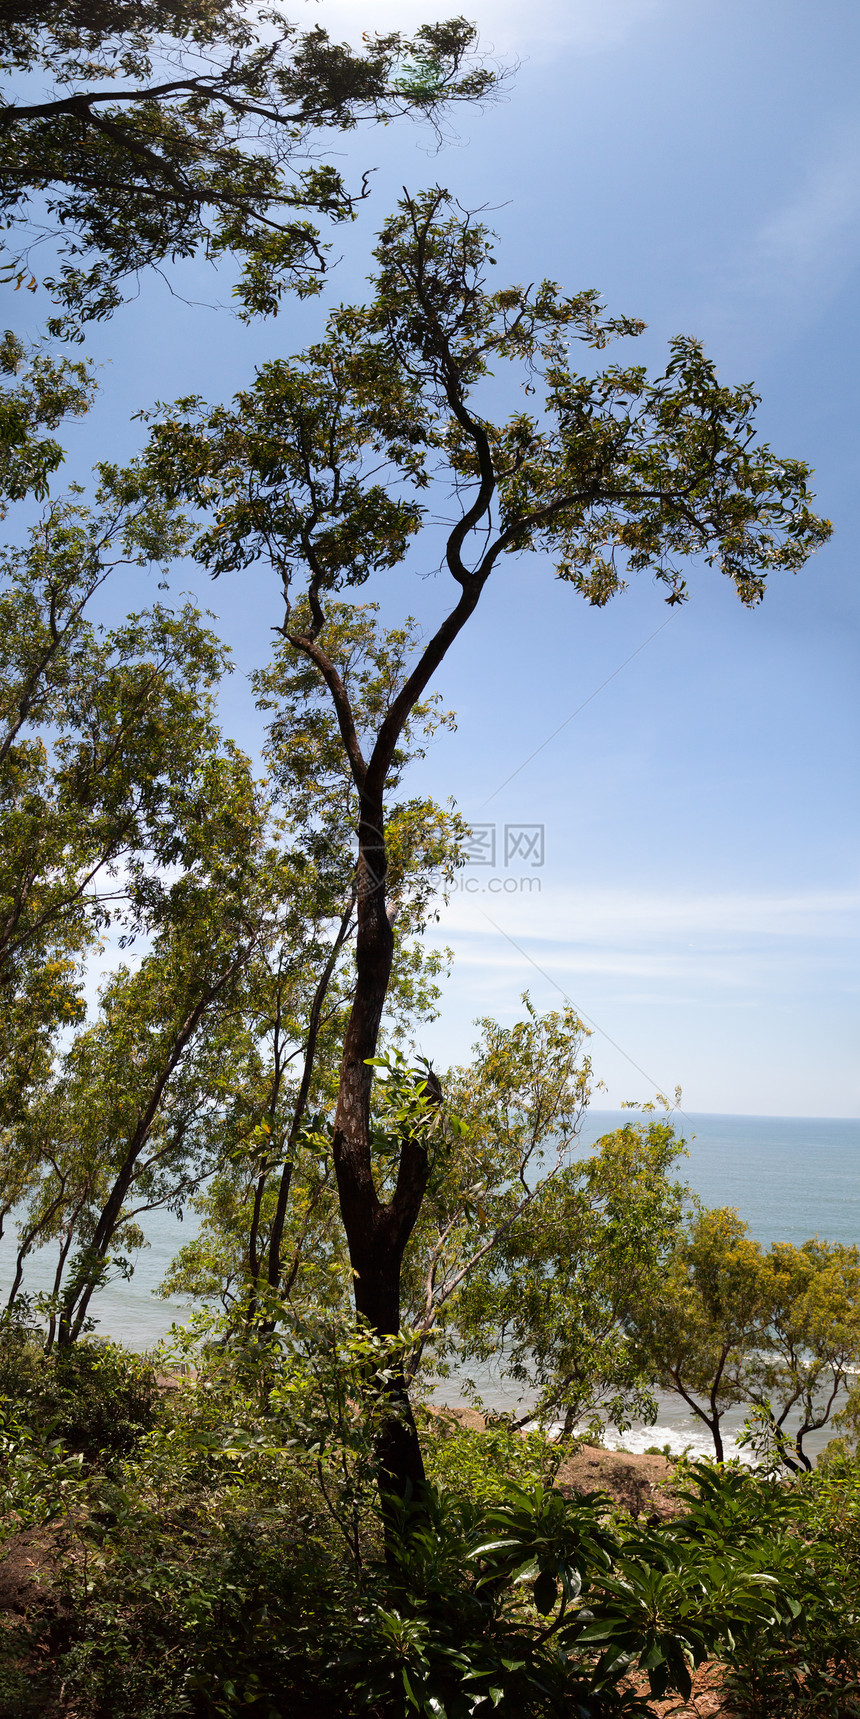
504,1136
733,1323
554,1299
139,1101
144,131
805,1358
112,777
267,1228
814,1332
697,1334
325,468
186,1072
104,741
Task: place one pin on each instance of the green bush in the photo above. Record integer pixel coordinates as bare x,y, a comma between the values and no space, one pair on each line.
99,1398
480,1465
222,1582
224,1555
807,1534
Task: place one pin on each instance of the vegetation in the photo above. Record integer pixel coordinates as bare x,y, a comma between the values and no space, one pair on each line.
225,1554
326,467
778,1330
270,1518
163,129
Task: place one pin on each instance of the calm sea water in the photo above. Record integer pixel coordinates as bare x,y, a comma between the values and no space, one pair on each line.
789,1178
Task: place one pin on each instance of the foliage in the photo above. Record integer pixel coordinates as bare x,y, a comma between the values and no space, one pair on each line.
42,394
232,1557
234,1562
553,1301
477,1465
708,1313
507,1123
807,1363
807,1535
328,468
650,470
733,1323
120,807
161,130
98,1399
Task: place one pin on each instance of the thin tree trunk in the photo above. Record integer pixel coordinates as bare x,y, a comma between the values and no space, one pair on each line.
277,1233
377,1232
83,1285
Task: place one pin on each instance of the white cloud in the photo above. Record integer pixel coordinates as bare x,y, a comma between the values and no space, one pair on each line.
713,946
506,26
745,996
570,914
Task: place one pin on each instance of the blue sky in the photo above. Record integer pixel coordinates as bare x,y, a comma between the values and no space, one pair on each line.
698,899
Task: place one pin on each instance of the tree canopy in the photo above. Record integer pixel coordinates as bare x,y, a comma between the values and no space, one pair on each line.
134,134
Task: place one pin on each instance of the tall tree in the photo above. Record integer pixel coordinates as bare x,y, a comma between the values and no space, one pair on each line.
104,737
136,132
112,775
141,1098
266,1216
327,468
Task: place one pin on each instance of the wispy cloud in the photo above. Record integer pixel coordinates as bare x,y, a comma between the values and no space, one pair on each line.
734,942
634,916
716,989
803,253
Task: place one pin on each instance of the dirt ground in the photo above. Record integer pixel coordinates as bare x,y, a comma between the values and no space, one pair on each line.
26,1558
706,1701
641,1484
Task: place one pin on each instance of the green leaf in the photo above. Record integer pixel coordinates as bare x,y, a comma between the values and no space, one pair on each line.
545,1592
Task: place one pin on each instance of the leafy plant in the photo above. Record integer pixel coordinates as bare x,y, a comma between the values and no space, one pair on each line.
97,1398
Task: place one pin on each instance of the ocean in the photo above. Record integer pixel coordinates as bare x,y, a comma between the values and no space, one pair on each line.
790,1178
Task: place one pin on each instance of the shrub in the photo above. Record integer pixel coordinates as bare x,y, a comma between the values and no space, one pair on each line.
807,1534
99,1398
480,1464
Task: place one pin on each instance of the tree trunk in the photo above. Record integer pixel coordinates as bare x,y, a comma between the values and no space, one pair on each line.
376,1232
398,1448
